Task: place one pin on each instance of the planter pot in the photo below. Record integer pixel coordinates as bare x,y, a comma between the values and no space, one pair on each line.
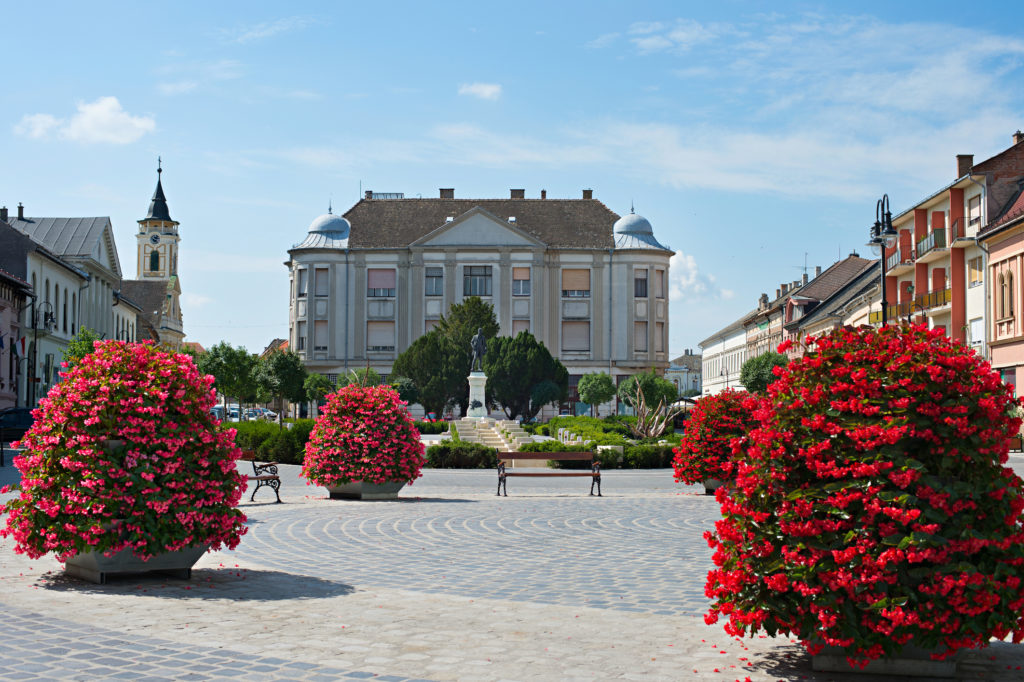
360,490
95,567
911,661
711,485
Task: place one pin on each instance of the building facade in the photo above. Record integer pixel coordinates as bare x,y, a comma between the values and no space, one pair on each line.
14,297
589,284
685,373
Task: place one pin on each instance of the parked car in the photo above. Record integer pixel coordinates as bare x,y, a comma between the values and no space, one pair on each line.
14,422
217,412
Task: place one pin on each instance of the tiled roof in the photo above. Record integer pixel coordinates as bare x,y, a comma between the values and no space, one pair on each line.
725,331
560,223
854,287
64,236
834,278
149,295
689,361
1014,209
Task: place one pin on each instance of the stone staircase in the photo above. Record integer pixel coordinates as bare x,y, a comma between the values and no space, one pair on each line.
505,435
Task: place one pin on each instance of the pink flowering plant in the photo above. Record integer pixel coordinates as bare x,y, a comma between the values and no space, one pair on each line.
168,480
364,433
871,506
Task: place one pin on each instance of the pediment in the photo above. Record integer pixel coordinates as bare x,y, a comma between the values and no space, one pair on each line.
105,251
478,227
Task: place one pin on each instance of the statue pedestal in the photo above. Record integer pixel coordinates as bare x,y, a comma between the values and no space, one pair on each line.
477,382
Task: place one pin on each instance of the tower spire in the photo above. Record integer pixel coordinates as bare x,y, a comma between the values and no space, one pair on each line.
158,204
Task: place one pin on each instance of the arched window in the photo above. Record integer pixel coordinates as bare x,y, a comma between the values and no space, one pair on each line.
1000,296
46,291
154,261
1009,295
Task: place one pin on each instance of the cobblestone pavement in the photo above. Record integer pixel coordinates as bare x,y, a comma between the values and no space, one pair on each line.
448,583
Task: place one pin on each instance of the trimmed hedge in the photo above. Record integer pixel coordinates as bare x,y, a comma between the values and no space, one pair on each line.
647,457
271,443
461,455
598,431
431,427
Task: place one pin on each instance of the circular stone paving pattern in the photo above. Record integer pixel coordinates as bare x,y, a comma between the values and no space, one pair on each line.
641,554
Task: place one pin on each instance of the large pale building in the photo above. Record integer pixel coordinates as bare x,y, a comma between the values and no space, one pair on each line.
590,284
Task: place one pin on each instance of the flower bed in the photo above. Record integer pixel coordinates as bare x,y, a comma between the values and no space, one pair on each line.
363,434
171,483
712,430
871,507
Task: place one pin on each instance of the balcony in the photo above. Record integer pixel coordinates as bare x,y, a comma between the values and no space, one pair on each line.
900,262
921,304
932,247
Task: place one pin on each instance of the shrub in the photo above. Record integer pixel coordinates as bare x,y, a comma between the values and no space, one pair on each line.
647,456
301,431
172,484
364,433
251,435
707,445
591,429
451,455
431,427
871,507
281,447
556,446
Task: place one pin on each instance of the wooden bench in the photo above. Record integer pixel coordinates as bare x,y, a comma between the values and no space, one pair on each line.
594,473
1016,443
264,475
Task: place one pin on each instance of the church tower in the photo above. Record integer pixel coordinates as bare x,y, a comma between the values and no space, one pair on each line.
157,238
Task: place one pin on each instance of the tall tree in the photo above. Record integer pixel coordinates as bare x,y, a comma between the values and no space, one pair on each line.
406,387
459,326
317,387
433,365
282,375
522,376
596,388
233,370
81,344
757,372
364,376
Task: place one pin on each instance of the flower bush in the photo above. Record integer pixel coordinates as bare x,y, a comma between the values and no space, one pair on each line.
173,483
871,507
715,422
364,433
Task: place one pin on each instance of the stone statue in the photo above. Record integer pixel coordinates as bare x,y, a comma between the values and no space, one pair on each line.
479,346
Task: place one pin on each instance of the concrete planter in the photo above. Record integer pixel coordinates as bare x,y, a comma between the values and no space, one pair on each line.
711,485
95,567
911,662
360,490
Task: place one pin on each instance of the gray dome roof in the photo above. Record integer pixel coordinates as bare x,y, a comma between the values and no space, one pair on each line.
329,222
329,231
632,224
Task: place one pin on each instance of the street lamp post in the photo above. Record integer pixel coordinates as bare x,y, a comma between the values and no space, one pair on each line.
883,236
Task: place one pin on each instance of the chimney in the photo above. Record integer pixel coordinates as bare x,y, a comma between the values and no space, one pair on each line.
784,288
794,285
762,301
1018,137
778,293
21,211
3,213
543,194
518,193
588,194
448,193
817,270
368,195
804,279
964,164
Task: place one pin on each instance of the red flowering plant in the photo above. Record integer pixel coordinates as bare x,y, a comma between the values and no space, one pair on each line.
364,433
716,425
168,481
871,507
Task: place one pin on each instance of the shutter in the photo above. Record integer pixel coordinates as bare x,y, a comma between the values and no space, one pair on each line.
378,278
302,281
659,337
320,335
520,273
520,326
659,284
575,280
640,337
321,281
576,336
380,335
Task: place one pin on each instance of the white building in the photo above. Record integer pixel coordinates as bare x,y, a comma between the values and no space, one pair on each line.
589,284
723,354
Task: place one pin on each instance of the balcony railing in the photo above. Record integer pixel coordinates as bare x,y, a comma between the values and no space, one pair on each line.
935,240
920,304
899,256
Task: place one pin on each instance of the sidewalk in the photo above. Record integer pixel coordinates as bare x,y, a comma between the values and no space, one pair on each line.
448,583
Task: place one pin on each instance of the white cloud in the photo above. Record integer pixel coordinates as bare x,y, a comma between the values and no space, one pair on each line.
101,121
491,91
36,126
688,284
267,29
193,300
177,88
603,41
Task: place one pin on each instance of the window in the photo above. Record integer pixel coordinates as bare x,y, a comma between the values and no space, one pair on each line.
1008,375
520,326
659,337
300,336
974,272
520,281
575,336
322,281
154,261
434,285
476,280
640,284
429,325
977,331
659,284
303,274
65,310
974,211
1009,294
320,335
640,337
576,283
380,337
380,283
74,312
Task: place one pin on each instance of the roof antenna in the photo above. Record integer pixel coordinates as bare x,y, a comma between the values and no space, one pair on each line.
631,206
329,200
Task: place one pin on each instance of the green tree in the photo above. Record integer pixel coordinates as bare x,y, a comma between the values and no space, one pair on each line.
79,346
233,370
655,389
317,386
756,373
364,376
459,326
596,388
406,388
282,376
433,365
515,366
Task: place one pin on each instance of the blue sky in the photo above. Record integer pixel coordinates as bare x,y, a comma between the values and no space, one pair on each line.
749,134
